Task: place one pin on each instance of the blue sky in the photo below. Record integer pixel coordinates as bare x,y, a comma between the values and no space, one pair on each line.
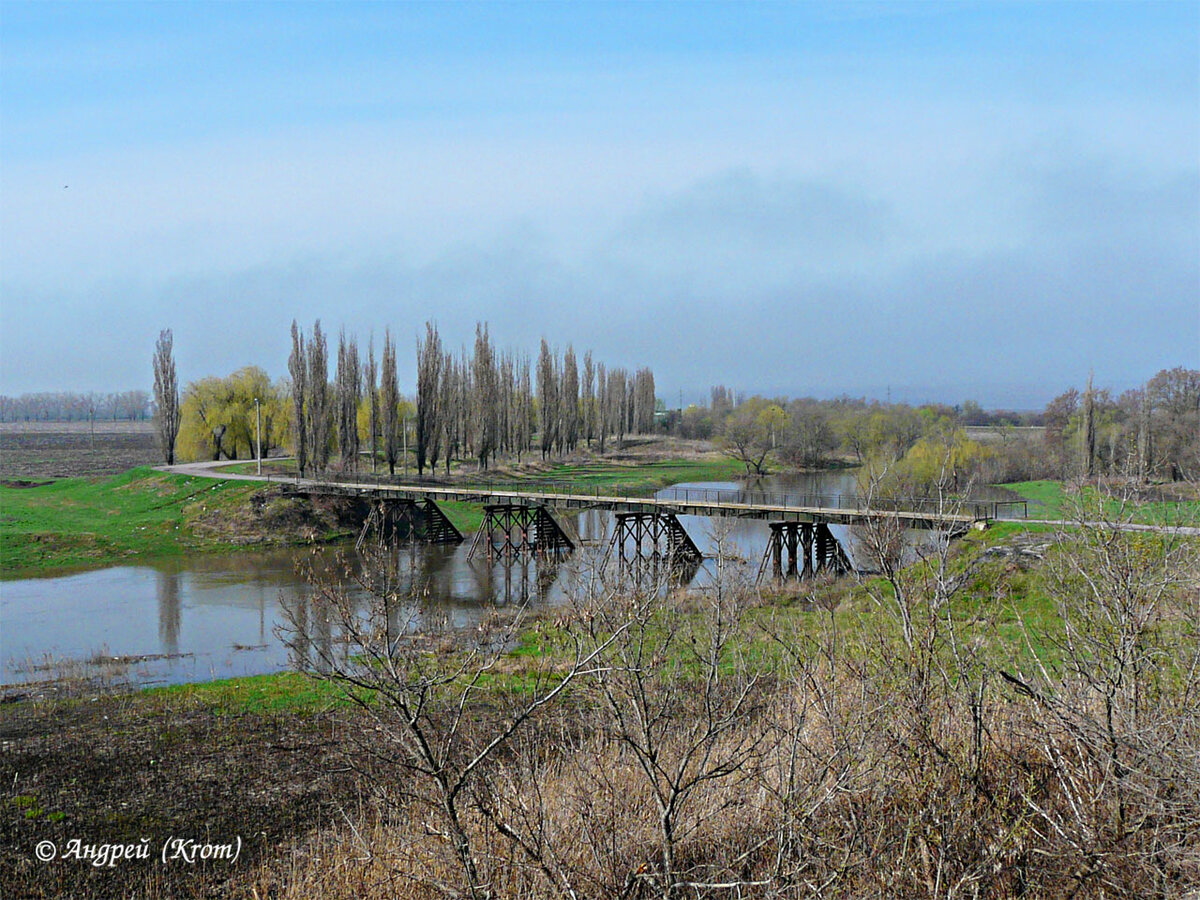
956,200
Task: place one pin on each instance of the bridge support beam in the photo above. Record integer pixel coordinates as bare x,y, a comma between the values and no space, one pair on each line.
652,536
409,519
511,530
798,550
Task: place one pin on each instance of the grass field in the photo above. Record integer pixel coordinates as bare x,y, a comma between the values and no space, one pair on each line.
1053,500
80,522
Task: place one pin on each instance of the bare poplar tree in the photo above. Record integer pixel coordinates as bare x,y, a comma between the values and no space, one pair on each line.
525,410
643,401
166,395
601,403
449,411
588,401
547,389
318,401
429,371
349,391
298,369
484,410
369,385
389,401
569,399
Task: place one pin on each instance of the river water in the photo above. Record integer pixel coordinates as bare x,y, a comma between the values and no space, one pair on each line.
209,617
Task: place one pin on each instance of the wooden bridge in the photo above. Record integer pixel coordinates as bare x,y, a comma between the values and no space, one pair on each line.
518,518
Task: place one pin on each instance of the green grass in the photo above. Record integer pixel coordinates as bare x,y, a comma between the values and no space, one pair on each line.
82,522
285,692
1052,500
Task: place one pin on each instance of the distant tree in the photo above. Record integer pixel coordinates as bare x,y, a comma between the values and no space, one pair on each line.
429,371
298,369
747,435
1089,431
526,414
348,390
547,391
1174,397
588,390
370,378
389,403
485,409
569,399
808,437
644,401
601,404
317,405
1145,440
166,395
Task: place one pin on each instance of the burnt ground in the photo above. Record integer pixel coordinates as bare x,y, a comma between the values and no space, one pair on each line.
119,769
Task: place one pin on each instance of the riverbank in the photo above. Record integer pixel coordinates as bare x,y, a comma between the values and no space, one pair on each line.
82,523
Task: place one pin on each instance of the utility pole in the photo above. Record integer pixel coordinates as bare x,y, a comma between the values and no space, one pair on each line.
258,432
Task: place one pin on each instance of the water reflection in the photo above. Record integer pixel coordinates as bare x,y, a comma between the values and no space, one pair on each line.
223,611
168,611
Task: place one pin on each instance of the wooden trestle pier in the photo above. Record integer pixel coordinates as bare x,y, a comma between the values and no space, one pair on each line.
798,550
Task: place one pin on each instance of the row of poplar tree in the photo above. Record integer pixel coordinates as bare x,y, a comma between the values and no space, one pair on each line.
474,405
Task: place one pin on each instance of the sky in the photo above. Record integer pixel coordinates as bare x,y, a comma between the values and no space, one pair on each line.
932,201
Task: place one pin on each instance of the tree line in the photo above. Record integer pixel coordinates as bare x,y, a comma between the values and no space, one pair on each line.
1151,433
486,403
69,406
479,404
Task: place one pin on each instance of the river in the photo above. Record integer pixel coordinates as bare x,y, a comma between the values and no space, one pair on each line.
208,617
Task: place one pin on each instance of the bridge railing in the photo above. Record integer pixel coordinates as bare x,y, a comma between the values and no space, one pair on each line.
931,506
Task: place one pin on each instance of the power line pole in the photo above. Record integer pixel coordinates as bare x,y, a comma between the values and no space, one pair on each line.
258,432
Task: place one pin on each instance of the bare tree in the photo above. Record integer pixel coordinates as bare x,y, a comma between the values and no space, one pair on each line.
425,711
370,378
547,388
525,410
485,408
389,401
348,393
588,390
429,371
298,369
318,405
569,399
166,395
601,404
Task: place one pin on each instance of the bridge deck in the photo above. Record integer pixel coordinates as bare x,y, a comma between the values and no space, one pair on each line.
680,505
